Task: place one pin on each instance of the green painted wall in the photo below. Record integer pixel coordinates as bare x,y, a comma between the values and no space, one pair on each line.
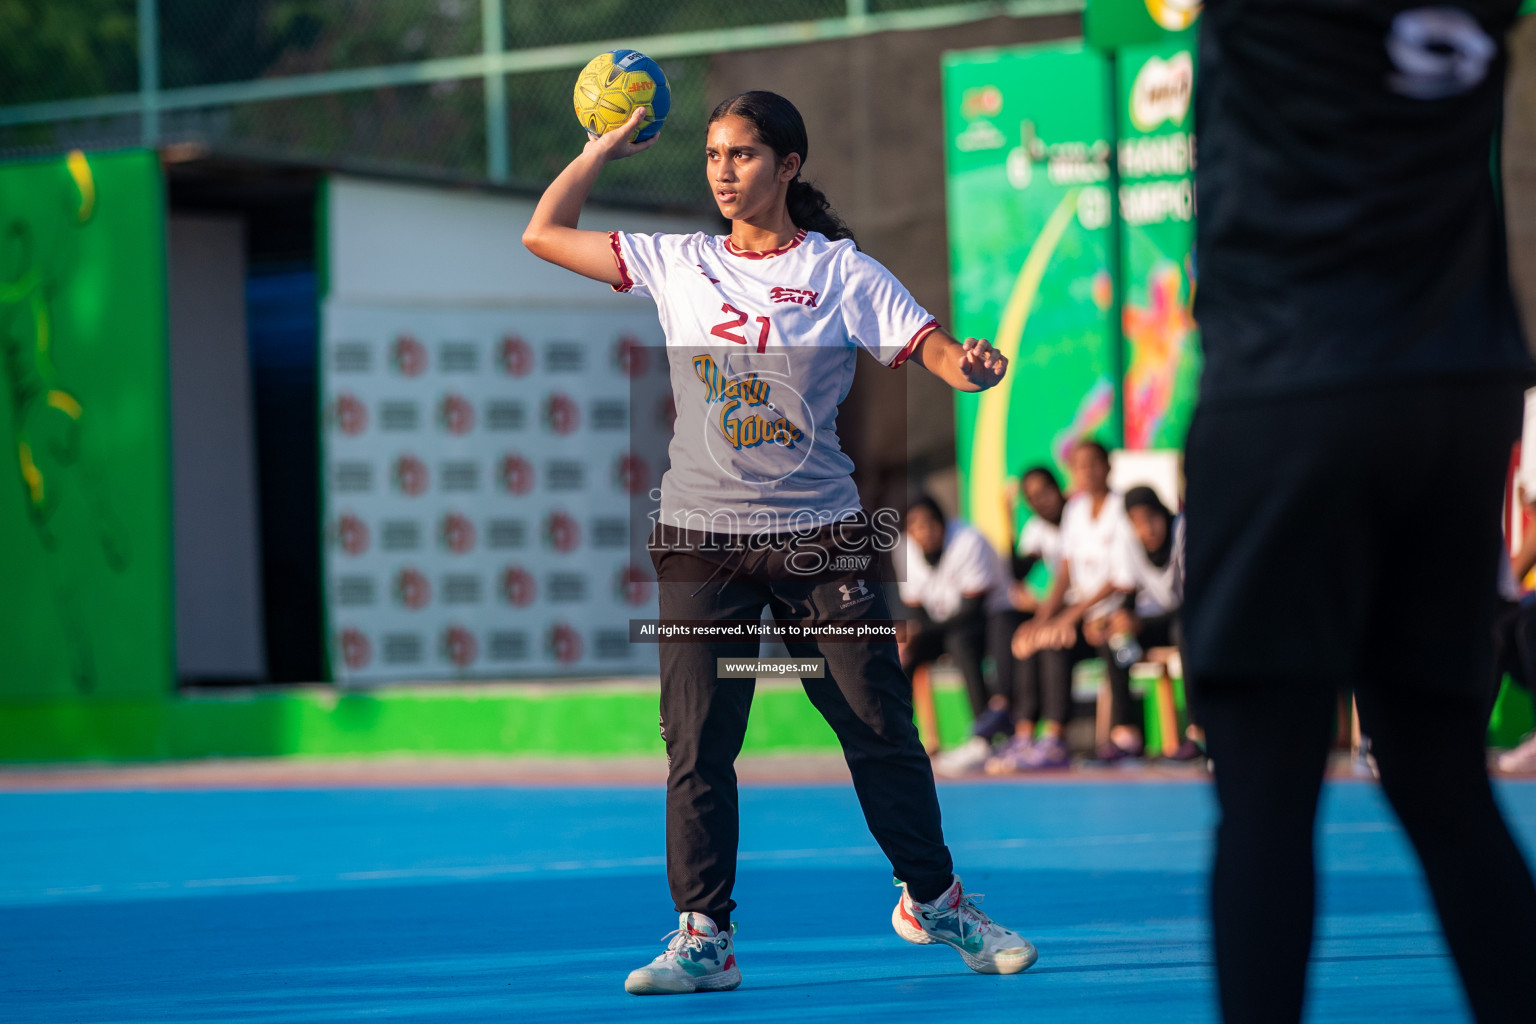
85,589
564,720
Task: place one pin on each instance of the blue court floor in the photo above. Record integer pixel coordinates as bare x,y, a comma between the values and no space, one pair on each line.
523,905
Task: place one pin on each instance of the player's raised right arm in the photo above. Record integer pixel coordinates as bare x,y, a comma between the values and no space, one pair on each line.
552,233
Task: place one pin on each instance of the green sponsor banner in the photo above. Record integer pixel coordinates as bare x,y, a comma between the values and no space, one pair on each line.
1027,148
1155,85
85,593
1110,24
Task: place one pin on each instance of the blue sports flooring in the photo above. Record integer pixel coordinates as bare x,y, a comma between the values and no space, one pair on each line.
520,905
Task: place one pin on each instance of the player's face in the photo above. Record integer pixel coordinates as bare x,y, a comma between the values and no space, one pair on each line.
746,175
1090,473
1151,526
1043,498
926,531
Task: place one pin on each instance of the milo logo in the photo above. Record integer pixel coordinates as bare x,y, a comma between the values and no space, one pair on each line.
1162,91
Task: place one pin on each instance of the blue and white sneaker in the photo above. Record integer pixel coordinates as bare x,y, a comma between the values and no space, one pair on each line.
699,958
955,920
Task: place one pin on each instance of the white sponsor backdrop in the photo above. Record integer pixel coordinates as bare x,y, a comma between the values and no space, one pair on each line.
476,440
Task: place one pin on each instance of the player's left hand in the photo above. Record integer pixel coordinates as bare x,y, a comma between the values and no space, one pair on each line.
981,364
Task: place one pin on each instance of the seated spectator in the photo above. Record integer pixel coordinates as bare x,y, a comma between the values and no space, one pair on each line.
954,581
1155,567
1029,700
1090,587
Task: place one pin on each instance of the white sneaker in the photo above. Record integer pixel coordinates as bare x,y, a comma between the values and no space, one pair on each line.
970,756
954,919
1521,760
699,958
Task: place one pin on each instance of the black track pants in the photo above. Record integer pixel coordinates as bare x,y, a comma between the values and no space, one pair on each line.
865,697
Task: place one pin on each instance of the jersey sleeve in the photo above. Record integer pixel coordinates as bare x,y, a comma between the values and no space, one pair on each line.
643,261
976,570
1029,539
880,314
1127,557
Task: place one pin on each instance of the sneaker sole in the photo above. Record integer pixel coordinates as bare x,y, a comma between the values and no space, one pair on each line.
643,983
1006,961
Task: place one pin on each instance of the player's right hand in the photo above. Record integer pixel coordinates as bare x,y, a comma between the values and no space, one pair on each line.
615,145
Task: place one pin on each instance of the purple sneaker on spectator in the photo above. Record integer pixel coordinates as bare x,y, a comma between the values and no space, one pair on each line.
1113,753
1046,753
1013,757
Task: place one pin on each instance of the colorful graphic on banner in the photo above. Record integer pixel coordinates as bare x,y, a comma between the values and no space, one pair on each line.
1110,24
477,487
1028,150
85,593
1156,148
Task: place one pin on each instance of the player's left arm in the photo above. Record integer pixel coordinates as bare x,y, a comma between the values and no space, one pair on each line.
972,366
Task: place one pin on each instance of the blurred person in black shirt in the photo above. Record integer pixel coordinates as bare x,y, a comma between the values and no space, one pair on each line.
1359,331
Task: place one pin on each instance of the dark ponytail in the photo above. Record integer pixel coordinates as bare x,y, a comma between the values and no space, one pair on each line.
779,127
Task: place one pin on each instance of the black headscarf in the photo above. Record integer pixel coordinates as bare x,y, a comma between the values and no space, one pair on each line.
1146,497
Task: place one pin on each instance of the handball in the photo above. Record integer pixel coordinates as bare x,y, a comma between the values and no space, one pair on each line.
613,85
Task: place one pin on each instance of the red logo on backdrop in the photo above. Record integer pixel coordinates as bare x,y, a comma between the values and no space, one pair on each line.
800,296
412,588
356,651
352,534
409,356
517,586
516,356
516,474
562,532
631,586
666,412
459,646
456,414
629,356
631,474
564,643
457,532
561,413
351,414
410,475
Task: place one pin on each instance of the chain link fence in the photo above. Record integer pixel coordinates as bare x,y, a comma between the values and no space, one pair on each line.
81,59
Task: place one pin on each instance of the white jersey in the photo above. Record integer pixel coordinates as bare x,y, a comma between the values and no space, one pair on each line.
1095,549
762,349
967,565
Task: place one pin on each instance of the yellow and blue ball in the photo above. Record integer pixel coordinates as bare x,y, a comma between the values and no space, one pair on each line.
613,84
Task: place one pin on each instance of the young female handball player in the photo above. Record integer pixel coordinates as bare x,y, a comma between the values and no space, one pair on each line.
762,329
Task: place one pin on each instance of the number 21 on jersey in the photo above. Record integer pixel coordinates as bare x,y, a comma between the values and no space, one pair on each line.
727,329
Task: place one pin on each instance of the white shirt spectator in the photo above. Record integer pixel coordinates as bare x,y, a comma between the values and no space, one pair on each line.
1095,549
967,565
1159,590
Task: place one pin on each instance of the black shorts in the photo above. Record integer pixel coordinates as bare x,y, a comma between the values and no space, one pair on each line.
1349,534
